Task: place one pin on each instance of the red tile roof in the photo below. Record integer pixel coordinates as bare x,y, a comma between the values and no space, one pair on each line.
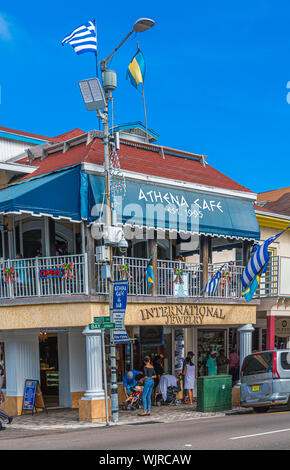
139,159
59,138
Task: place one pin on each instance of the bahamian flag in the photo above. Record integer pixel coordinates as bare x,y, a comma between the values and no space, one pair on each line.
136,70
149,271
256,267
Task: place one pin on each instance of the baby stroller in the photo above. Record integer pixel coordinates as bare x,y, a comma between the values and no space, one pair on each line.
135,400
168,397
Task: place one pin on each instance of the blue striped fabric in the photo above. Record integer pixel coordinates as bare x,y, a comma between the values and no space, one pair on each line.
259,257
83,39
213,283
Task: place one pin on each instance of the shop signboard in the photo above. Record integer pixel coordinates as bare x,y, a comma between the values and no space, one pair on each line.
120,291
32,397
45,273
282,327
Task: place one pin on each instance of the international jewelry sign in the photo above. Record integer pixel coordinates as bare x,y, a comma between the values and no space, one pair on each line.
120,292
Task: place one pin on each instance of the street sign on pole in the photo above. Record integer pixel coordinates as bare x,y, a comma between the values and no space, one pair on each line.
102,326
102,320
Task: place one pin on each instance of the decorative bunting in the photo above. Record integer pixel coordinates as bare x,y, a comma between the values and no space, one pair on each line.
179,273
124,269
68,268
9,274
118,183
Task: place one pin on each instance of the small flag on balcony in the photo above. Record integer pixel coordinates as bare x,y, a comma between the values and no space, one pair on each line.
213,283
149,271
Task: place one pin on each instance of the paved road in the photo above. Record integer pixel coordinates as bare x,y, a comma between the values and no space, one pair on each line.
245,431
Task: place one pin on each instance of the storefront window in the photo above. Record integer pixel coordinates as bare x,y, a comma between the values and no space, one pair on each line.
2,364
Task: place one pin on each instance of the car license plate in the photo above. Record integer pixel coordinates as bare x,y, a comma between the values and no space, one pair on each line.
255,388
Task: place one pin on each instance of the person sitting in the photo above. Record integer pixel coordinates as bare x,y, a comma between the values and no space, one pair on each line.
129,381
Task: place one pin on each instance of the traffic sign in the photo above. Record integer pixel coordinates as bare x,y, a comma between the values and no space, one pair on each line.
102,319
99,326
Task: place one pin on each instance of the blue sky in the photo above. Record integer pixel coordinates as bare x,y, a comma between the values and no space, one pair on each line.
216,80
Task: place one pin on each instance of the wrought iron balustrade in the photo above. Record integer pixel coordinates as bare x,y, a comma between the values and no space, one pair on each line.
43,276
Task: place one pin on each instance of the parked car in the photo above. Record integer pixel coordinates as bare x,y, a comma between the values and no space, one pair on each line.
265,380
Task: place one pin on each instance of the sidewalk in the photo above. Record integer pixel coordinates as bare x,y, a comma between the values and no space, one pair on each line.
67,418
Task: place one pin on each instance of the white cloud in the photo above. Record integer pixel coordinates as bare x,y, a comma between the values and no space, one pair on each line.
4,28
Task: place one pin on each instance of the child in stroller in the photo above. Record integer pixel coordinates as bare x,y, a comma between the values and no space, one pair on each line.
134,401
169,387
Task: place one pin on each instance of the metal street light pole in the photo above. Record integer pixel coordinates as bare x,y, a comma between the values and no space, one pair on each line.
140,25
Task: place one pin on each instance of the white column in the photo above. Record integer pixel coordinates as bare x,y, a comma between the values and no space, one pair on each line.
95,389
245,341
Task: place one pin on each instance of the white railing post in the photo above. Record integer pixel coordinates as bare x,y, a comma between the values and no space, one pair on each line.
36,271
86,274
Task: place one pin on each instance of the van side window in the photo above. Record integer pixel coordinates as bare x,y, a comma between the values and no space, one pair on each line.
285,360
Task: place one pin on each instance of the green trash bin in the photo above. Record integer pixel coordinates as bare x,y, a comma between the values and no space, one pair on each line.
214,393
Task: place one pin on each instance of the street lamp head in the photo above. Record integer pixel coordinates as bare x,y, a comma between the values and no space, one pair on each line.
143,24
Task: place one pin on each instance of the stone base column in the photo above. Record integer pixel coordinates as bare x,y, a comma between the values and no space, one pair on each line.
92,406
245,341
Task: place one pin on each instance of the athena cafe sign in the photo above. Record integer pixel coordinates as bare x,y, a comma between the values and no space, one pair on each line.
282,327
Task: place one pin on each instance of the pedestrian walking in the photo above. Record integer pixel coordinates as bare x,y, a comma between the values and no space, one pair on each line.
3,414
149,375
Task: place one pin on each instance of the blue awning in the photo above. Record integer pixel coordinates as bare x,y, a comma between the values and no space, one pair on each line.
56,195
166,207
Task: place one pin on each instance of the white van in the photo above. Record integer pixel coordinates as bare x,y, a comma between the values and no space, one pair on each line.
265,380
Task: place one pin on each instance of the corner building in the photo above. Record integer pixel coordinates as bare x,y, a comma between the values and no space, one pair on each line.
175,206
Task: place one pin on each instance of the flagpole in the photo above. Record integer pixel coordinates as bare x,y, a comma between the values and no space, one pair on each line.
145,112
97,73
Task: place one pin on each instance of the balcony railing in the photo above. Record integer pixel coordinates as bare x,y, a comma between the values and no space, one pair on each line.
270,283
174,278
230,285
68,275
43,276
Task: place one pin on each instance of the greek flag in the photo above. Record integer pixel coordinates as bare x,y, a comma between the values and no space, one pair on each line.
83,39
259,258
213,283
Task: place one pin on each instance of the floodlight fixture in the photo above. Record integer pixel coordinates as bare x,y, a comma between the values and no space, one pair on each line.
143,24
92,93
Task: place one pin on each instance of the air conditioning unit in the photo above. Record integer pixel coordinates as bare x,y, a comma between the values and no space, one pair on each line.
102,253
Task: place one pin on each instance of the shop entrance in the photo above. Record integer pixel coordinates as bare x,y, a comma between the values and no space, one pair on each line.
49,370
209,340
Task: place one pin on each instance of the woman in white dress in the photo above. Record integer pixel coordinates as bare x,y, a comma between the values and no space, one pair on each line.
189,378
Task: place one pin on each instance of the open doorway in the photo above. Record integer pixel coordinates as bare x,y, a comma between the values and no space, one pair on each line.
49,370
